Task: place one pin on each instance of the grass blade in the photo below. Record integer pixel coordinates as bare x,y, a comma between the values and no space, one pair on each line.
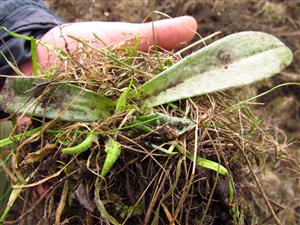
16,35
33,43
12,139
204,163
100,205
35,65
209,164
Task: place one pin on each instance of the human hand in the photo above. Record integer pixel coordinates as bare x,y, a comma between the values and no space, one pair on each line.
170,34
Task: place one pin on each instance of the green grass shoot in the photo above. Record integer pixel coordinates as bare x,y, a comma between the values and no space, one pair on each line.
113,151
82,147
35,64
241,103
100,205
4,196
12,66
169,151
33,43
12,198
17,137
209,164
205,163
121,104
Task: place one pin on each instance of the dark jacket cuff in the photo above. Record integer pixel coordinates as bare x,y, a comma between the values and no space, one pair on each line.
30,18
26,17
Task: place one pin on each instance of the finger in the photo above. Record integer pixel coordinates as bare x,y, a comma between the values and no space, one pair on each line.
170,33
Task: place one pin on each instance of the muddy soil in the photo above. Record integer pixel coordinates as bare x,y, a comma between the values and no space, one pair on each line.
278,17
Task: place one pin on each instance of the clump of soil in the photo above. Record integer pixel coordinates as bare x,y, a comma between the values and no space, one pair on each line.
156,179
279,108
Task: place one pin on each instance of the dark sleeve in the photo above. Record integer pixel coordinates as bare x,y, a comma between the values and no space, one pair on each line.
26,17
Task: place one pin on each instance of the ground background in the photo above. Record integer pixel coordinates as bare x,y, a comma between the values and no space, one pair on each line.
278,17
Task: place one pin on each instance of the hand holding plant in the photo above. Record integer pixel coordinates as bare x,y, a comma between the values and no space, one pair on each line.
169,34
233,61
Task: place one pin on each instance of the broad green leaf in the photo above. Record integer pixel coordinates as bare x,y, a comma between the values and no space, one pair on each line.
36,97
233,61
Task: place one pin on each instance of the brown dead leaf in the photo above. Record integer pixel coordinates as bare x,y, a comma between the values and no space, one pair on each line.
39,155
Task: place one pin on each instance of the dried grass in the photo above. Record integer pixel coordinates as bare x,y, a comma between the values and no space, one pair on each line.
146,185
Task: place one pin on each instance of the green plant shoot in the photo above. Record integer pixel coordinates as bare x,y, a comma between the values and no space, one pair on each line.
113,151
205,163
209,164
122,100
82,147
33,43
10,140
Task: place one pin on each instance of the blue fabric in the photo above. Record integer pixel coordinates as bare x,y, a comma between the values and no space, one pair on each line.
26,17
